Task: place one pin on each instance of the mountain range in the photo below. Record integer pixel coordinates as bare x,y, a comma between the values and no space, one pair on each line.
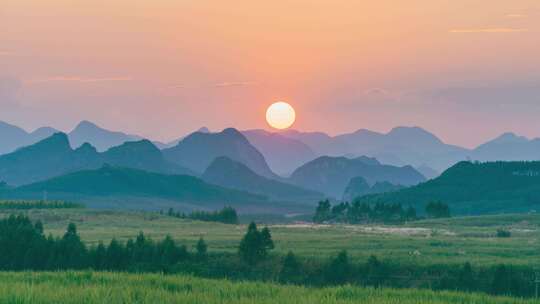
287,150
54,156
331,175
199,149
133,187
228,173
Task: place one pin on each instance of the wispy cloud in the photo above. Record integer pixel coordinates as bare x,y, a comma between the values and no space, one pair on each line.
79,79
225,84
489,30
235,84
516,16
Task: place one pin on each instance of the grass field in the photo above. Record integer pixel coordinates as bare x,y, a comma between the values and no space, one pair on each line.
445,241
112,288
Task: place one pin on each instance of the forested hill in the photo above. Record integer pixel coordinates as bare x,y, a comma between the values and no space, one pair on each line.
111,181
476,188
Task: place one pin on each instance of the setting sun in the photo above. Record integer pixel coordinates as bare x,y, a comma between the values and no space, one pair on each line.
280,115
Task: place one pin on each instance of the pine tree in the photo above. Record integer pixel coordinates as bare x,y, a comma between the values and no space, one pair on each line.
291,271
201,249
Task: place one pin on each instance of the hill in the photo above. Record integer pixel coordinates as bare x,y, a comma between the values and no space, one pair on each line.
331,175
358,186
508,147
476,188
402,145
199,149
283,154
116,181
102,139
231,174
54,156
13,137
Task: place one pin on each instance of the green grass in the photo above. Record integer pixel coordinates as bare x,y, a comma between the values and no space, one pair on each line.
112,288
445,241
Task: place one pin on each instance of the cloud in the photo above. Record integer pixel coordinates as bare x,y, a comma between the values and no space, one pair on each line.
516,16
78,79
235,84
490,30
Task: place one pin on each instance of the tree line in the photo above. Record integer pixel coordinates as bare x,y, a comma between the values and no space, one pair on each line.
361,212
227,215
24,246
41,204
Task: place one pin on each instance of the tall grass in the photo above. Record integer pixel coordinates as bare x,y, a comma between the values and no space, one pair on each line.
112,288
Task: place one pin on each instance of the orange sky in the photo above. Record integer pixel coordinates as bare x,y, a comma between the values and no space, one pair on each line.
163,68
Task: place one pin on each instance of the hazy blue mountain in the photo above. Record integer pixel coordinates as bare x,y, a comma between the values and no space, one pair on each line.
54,156
198,150
509,147
283,154
13,137
228,173
476,188
117,181
331,175
402,145
358,186
98,137
427,171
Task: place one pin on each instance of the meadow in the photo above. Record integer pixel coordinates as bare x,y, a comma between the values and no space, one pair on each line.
112,288
428,242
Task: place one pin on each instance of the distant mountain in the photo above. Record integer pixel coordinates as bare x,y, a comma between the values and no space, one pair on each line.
13,137
358,187
402,145
198,150
283,154
331,175
427,171
117,181
54,156
509,147
102,139
476,188
231,174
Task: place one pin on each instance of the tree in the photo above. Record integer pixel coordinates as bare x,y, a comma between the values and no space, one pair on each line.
466,278
255,244
72,251
291,270
437,210
201,249
115,257
339,269
323,212
501,282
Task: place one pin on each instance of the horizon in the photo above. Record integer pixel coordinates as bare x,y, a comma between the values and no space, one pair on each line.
268,129
161,69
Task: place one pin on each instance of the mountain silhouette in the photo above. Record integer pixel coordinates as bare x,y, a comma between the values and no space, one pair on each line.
228,173
54,156
358,186
13,137
198,150
402,145
283,154
102,139
331,175
117,181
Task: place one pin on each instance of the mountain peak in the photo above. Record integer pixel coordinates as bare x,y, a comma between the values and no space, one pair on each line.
510,137
85,124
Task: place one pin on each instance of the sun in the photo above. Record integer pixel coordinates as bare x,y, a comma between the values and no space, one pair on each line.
280,115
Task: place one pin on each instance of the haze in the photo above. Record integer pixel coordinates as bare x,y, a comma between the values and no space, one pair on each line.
163,68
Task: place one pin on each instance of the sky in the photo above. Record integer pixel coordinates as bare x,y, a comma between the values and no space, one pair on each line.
465,70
